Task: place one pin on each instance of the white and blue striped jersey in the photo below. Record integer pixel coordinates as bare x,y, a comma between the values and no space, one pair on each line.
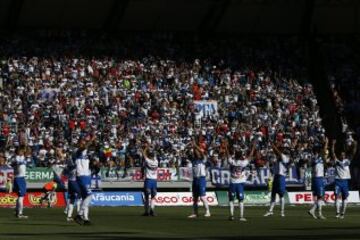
82,163
317,166
281,165
342,169
239,170
19,165
151,166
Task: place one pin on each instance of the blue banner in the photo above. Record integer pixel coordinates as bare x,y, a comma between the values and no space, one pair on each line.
116,199
221,177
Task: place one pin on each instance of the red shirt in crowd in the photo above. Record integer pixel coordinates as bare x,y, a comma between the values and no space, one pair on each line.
72,124
82,124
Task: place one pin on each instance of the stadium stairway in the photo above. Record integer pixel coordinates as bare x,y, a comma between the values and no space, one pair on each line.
317,74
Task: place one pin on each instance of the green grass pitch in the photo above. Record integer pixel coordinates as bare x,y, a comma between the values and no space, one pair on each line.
110,223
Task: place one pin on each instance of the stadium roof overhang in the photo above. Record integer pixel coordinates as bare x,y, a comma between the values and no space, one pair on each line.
239,16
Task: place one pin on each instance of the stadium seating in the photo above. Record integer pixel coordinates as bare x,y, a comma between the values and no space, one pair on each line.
164,89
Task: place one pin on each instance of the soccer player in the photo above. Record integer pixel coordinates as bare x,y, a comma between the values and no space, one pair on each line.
318,160
279,184
239,170
150,184
73,191
199,180
83,178
342,177
19,165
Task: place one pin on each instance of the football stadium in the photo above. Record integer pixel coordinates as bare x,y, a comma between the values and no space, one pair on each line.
179,119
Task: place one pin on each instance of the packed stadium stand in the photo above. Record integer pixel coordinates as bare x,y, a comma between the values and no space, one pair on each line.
215,70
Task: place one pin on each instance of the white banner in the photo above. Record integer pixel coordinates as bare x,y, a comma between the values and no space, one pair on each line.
206,108
182,199
185,173
307,197
135,174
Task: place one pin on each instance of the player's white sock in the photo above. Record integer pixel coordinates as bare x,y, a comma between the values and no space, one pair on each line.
312,209
231,207
272,205
343,207
67,206
78,205
20,205
282,204
152,204
85,207
70,209
320,203
241,206
337,205
206,205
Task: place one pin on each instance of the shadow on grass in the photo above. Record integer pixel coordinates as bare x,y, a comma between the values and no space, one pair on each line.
38,224
125,235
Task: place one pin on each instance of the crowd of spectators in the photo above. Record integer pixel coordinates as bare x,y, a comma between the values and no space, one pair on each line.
128,90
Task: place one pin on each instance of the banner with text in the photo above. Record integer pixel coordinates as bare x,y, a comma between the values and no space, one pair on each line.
31,199
221,177
206,108
116,199
251,198
307,197
135,174
182,199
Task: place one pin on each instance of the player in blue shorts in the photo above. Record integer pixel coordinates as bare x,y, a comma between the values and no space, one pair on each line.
199,180
83,179
150,184
281,166
19,165
74,194
342,178
318,161
239,170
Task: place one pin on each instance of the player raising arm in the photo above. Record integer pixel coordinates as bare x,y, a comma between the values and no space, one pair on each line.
318,160
342,177
19,165
198,161
150,184
74,192
239,170
83,178
281,166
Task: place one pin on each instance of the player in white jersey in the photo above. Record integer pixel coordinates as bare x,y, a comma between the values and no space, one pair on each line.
318,161
279,184
150,184
74,192
198,161
239,170
342,178
83,178
19,165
